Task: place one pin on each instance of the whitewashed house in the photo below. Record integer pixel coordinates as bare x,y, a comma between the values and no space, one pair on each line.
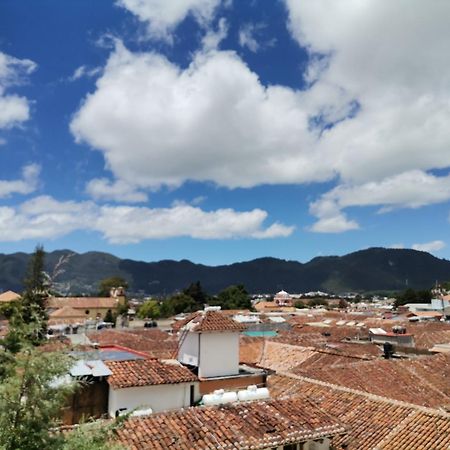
150,385
209,341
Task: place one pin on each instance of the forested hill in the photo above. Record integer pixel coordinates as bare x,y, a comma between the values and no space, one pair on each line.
366,270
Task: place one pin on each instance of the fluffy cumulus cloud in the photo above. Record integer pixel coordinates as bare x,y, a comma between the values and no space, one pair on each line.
433,246
374,114
411,189
214,121
45,217
14,109
163,16
25,185
390,58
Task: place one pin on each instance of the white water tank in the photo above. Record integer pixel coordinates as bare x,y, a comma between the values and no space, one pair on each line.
219,397
253,393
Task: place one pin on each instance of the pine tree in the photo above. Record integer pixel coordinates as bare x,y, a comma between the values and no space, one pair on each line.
33,298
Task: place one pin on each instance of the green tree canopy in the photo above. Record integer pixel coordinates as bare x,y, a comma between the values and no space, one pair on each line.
196,292
107,284
150,309
233,297
412,296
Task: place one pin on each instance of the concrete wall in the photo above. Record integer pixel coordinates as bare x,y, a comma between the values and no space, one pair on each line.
158,398
188,353
219,354
231,384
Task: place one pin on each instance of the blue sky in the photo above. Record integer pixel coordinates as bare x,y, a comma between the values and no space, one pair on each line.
221,131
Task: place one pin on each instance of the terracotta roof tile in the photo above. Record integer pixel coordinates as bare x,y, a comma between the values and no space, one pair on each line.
374,422
423,381
210,321
419,430
147,372
82,302
249,425
9,296
154,342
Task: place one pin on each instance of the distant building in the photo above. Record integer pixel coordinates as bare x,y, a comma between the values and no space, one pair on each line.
398,336
282,298
67,310
8,297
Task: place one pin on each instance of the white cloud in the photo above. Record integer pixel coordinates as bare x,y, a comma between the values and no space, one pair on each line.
390,57
407,190
374,115
14,109
27,184
212,38
157,124
162,16
433,246
247,37
128,224
45,217
84,71
119,191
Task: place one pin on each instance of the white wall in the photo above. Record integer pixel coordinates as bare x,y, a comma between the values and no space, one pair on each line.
188,353
158,398
219,354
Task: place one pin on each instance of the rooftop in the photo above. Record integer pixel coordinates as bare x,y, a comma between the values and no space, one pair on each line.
8,296
154,342
82,302
249,425
423,381
147,372
374,422
209,321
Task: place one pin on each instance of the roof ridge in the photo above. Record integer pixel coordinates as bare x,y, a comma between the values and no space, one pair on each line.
367,395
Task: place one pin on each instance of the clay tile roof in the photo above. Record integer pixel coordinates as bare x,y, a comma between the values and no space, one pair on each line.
248,425
147,372
152,341
9,296
82,302
205,321
419,430
423,381
374,422
63,312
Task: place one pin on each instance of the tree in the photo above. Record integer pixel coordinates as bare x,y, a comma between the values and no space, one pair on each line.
342,304
32,302
300,305
149,309
30,402
109,317
112,282
412,296
233,297
196,292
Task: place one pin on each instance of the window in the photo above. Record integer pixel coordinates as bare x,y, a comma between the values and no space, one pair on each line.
87,311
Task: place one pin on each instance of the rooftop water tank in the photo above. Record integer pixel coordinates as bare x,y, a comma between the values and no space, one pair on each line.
253,393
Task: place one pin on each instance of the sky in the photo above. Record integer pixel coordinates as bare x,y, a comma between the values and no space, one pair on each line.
224,130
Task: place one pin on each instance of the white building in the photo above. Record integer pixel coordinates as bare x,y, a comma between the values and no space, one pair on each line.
209,341
282,298
148,384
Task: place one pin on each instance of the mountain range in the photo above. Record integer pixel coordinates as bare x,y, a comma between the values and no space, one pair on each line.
373,269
